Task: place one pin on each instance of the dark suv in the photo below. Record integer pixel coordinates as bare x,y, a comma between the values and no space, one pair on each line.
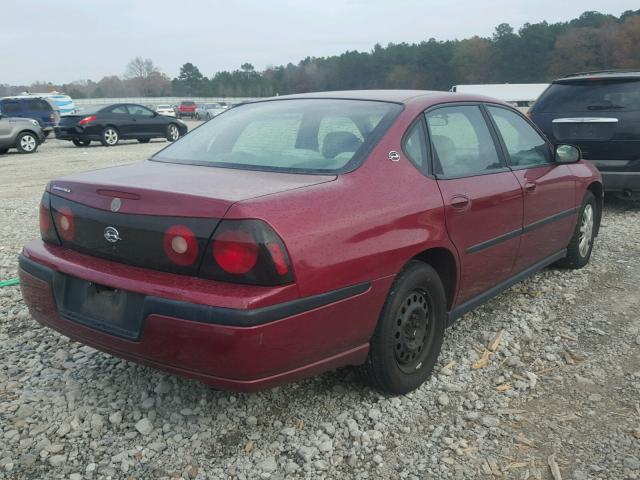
600,113
30,107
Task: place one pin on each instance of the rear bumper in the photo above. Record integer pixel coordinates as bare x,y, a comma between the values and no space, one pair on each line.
69,133
228,348
621,181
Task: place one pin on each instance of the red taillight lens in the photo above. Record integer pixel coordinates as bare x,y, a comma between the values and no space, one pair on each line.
87,120
235,251
65,223
181,245
249,252
47,232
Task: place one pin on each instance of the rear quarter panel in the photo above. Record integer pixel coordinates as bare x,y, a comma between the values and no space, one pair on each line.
363,226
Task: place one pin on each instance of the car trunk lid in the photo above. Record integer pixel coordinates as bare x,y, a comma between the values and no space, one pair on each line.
123,213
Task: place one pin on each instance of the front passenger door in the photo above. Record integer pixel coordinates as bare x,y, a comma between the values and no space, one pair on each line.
549,188
482,197
146,123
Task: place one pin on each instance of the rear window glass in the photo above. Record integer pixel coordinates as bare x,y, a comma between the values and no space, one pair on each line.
188,104
302,135
9,107
592,96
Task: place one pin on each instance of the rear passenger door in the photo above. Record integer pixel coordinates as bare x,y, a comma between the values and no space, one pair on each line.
549,188
482,197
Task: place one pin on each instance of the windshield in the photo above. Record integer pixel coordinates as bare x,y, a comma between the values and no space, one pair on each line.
591,96
211,106
301,135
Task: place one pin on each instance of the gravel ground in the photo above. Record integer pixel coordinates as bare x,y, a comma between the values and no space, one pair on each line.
559,397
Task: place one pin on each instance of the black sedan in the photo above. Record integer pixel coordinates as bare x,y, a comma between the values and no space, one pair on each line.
112,123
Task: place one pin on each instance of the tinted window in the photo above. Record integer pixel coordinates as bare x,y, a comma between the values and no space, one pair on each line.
140,111
188,104
592,96
524,144
311,135
37,105
9,107
461,141
415,146
120,110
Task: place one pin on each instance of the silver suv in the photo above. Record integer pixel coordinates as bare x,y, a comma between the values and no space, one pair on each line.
25,134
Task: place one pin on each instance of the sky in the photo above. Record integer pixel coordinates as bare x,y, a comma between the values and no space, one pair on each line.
66,40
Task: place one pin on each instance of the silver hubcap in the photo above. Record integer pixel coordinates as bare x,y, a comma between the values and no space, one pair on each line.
28,143
586,230
173,132
111,136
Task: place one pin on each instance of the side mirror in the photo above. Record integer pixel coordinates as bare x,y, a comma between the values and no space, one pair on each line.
567,154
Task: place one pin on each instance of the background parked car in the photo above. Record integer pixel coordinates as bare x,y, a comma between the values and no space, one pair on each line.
186,109
112,123
206,111
25,134
30,107
166,109
600,113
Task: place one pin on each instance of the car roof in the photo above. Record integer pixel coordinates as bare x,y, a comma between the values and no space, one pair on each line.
405,97
600,75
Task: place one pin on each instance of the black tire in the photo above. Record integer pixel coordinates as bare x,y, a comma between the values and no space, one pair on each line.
578,254
408,338
80,143
144,140
110,136
208,116
173,132
197,116
27,142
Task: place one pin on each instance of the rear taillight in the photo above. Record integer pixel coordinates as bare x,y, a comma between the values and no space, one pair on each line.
65,223
47,231
181,245
53,118
87,120
247,251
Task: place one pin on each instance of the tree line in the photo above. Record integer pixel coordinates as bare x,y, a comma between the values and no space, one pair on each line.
535,53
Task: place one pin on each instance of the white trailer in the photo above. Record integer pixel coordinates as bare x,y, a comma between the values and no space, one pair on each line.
521,95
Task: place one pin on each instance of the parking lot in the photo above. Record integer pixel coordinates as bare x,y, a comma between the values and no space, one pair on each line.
560,394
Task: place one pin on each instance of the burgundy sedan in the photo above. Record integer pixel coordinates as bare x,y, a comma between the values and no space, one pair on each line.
294,235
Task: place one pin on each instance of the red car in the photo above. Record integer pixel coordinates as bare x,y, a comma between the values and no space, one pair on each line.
291,236
186,109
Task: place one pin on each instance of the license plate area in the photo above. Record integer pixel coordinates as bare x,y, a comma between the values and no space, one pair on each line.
113,311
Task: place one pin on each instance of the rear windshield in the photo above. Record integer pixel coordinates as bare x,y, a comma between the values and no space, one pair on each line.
188,104
591,96
301,135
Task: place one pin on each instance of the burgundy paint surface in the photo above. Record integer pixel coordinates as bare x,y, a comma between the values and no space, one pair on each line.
339,231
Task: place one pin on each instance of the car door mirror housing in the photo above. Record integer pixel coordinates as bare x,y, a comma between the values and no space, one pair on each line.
567,154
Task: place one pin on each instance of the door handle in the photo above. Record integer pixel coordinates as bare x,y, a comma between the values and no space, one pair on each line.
460,202
530,187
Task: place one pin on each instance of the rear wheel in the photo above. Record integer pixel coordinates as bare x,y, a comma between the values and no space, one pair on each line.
144,140
109,137
581,243
409,334
27,142
80,143
172,132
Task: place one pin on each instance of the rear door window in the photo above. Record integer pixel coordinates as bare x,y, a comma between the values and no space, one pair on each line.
525,146
591,96
461,140
11,107
37,105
